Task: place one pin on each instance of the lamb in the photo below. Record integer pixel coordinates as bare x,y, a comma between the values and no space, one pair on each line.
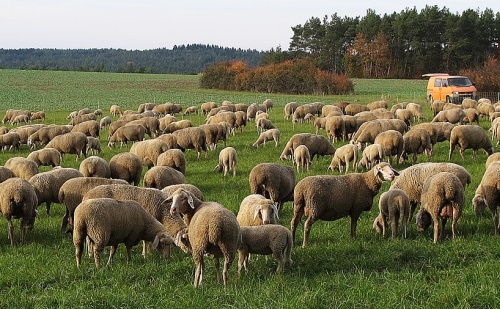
93,145
442,197
47,184
46,157
412,178
451,115
72,143
126,166
393,205
329,197
302,158
20,119
161,176
191,110
192,138
271,134
372,154
108,222
257,210
152,200
416,141
149,150
127,133
95,166
228,159
392,141
487,194
273,181
10,140
467,137
22,167
18,200
174,158
104,122
265,239
89,128
212,229
40,115
115,110
318,145
344,155
71,194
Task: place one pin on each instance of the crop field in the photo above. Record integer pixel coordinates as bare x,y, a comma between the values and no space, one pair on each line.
332,272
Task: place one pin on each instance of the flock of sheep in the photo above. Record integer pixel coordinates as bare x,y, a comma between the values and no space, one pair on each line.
106,207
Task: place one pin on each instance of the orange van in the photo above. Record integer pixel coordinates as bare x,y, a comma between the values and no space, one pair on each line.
449,88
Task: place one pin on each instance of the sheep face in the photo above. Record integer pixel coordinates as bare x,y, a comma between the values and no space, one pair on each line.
267,211
385,171
181,202
182,241
424,220
162,241
479,204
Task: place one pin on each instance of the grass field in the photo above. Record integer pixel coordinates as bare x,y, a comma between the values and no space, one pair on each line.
333,272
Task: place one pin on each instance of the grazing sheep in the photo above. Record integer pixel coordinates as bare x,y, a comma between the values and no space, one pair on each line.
228,117
45,134
18,200
170,139
327,197
469,137
485,109
443,130
108,222
46,157
257,210
372,154
265,239
263,124
126,133
302,158
82,118
115,110
437,106
471,115
95,166
451,116
392,141
161,176
22,167
290,109
412,178
10,140
416,110
93,145
174,158
169,190
469,103
71,194
442,197
492,158
192,138
416,141
149,150
228,159
5,173
377,104
20,119
10,114
212,229
273,181
72,143
318,145
213,133
152,125
104,122
47,184
487,194
40,115
191,110
207,106
353,109
241,120
126,166
89,128
344,155
115,125
271,134
405,115
368,131
335,128
393,205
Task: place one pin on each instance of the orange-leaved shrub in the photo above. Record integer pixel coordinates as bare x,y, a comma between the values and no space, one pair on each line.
487,77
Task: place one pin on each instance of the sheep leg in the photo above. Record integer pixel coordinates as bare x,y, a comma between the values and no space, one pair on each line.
394,225
298,212
307,230
78,243
278,254
436,229
384,223
242,260
456,215
98,248
217,268
354,224
11,231
112,252
496,222
198,275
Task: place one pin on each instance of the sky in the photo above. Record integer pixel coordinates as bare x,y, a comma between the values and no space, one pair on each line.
151,24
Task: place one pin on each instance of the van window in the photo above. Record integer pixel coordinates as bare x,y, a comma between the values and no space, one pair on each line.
460,82
437,82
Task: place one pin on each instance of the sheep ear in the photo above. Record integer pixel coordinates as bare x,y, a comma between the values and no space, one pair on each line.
168,200
190,201
256,212
155,242
275,209
376,170
396,173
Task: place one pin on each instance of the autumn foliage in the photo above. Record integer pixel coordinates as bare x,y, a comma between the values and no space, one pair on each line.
486,78
299,76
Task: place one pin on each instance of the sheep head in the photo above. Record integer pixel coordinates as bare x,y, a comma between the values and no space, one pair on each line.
385,171
163,242
267,210
182,202
479,204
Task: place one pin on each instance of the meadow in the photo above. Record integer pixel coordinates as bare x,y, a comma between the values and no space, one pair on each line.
332,272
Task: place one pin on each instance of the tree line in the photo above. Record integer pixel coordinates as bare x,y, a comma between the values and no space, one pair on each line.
182,59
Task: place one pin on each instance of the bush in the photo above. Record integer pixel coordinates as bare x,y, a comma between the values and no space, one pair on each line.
486,78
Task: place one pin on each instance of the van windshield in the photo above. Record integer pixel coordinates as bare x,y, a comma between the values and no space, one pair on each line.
459,82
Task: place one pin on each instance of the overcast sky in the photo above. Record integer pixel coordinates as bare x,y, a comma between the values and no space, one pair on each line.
149,24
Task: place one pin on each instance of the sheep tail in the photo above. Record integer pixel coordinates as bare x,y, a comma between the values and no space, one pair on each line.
288,249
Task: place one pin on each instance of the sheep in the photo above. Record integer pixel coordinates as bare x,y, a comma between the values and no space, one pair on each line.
82,118
331,197
212,229
271,134
161,176
108,222
149,150
89,128
20,119
227,117
191,110
241,120
383,113
3,130
471,115
5,173
405,115
93,145
302,158
450,105
104,122
47,184
301,111
268,103
416,110
377,104
318,145
353,109
22,167
416,141
95,166
115,110
431,128
10,140
115,125
485,109
412,178
335,128
213,132
174,158
273,181
393,205
263,124
192,138
443,130
451,115
72,115
228,158
195,191
71,194
207,106
487,194
392,141
255,209
467,137
18,200
126,133
126,166
265,239
167,108
72,143
46,156
368,131
327,109
372,154
350,125
146,107
344,155
290,109
152,125
442,197
363,117
469,103
12,113
45,134
437,106
26,131
40,115
492,158
170,139
152,200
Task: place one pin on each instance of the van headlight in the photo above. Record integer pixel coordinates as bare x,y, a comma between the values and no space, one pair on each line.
455,92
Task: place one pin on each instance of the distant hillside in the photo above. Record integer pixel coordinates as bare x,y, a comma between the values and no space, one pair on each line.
183,59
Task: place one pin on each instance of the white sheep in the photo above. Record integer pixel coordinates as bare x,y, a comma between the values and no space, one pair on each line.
174,158
273,181
161,176
265,239
108,222
257,210
416,141
95,166
72,143
192,138
343,156
271,134
127,133
22,167
443,198
393,205
392,141
467,137
46,156
149,150
212,229
372,154
228,158
302,158
331,197
487,194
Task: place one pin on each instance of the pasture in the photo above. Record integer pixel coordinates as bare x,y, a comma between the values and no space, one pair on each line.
332,272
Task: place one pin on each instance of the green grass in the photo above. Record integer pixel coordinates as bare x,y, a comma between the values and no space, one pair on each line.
332,272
